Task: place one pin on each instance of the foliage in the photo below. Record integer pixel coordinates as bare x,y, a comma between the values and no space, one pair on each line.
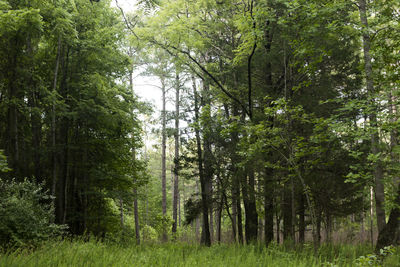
27,215
72,118
3,163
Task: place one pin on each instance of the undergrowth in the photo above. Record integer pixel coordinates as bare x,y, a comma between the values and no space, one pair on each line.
95,253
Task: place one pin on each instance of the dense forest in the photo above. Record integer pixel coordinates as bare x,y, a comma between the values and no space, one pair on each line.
278,123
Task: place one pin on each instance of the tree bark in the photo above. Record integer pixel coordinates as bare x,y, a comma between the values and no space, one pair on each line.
251,219
218,218
268,207
176,159
203,185
53,121
287,213
302,225
136,215
163,157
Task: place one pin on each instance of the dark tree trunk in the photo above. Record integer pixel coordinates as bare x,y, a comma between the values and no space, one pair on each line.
318,226
251,219
302,225
268,207
234,210
136,215
176,158
218,219
391,232
278,227
287,213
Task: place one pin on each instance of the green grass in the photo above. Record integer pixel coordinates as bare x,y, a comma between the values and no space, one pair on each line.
93,253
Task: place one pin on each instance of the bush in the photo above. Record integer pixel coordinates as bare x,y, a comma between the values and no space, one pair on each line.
26,214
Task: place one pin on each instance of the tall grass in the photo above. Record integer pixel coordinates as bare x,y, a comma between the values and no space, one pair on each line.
94,253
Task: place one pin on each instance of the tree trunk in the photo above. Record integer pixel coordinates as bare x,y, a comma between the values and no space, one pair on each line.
234,210
218,218
268,207
302,224
53,121
163,158
287,213
390,234
278,227
136,215
176,159
206,228
318,227
251,219
239,215
378,169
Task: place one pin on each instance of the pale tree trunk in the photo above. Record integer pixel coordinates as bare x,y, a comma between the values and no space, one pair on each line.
208,159
378,170
53,122
135,194
176,158
163,157
206,240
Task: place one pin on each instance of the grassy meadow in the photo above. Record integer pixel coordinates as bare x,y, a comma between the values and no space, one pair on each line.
94,253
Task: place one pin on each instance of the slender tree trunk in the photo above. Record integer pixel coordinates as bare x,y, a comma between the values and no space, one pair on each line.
211,206
53,121
239,215
176,159
378,169
278,227
136,215
268,207
64,140
318,227
287,213
328,227
218,218
302,225
163,157
234,210
135,194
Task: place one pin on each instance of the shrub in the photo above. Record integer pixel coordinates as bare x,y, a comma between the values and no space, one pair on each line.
26,214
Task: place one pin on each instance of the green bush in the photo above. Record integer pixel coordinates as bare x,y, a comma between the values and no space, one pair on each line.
26,214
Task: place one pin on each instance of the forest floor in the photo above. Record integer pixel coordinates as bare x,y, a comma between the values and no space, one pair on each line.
92,253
